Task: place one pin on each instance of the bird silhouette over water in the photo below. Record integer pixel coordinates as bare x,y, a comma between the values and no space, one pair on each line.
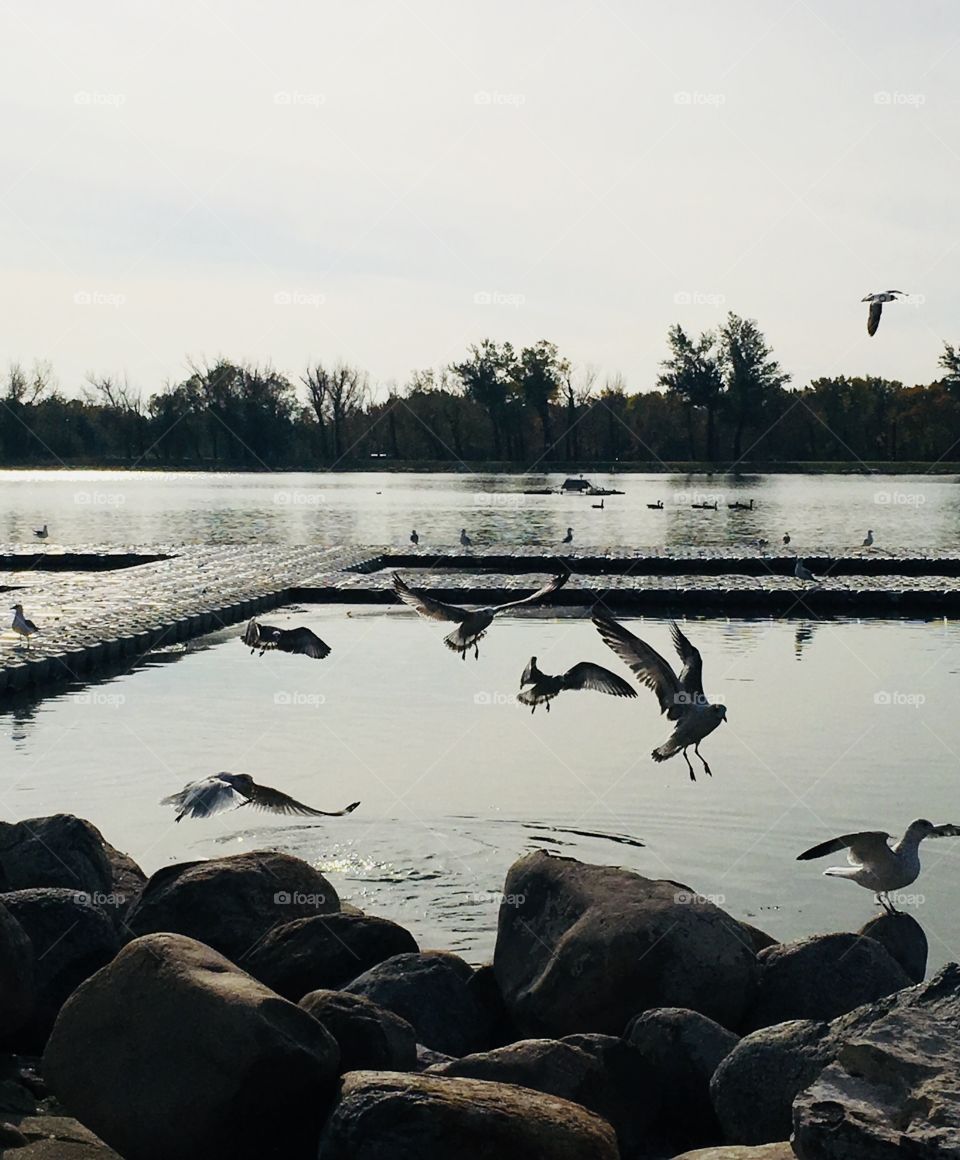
876,307
539,688
263,637
874,863
472,623
224,791
681,698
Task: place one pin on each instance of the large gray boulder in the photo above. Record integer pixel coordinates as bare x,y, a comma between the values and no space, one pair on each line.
781,1151
389,1116
585,948
369,1037
231,903
821,978
903,938
17,984
171,1050
71,938
324,951
431,992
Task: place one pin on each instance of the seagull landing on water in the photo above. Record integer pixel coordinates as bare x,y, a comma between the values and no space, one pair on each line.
681,698
41,533
568,538
802,572
875,864
876,307
414,538
261,637
223,791
472,623
21,626
465,540
543,688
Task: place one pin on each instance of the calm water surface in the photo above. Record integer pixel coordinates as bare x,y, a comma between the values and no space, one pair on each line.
834,726
84,507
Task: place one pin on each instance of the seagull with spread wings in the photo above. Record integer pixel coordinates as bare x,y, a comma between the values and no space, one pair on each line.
876,307
874,863
681,698
472,623
261,637
223,791
538,688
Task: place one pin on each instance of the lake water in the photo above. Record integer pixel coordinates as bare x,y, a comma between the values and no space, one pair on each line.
833,727
829,511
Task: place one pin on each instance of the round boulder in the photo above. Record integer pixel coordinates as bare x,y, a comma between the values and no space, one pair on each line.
231,903
369,1037
903,938
585,948
17,987
171,1050
323,952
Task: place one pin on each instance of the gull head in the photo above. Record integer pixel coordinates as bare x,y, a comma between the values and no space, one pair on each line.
719,711
242,782
17,608
919,829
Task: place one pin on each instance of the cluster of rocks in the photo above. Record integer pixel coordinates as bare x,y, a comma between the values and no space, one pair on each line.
234,1008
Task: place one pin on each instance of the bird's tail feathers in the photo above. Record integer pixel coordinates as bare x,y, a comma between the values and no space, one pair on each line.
662,752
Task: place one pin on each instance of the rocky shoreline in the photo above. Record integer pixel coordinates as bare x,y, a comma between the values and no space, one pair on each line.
234,1008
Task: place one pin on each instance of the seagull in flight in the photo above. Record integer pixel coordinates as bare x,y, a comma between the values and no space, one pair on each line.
681,698
41,533
472,623
21,626
876,307
802,572
223,791
875,864
537,688
262,637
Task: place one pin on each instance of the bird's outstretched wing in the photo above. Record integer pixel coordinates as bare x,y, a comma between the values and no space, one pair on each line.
946,831
203,799
530,673
863,847
556,583
691,675
587,675
426,605
873,317
301,640
648,665
262,797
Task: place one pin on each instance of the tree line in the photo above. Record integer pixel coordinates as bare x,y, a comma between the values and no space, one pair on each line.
720,398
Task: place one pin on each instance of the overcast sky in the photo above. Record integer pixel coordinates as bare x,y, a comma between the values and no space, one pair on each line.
388,182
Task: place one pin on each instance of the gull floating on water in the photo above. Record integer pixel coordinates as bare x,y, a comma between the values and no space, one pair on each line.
598,506
213,795
464,538
656,507
261,637
802,572
874,863
21,626
585,675
681,698
414,538
568,538
876,307
41,533
786,539
472,623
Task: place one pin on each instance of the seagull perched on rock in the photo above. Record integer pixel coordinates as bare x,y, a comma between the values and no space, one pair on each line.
41,533
472,623
568,538
213,795
537,688
21,626
261,637
802,572
876,307
868,542
874,863
681,698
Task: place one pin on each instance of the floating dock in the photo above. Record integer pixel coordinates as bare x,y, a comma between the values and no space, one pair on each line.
102,608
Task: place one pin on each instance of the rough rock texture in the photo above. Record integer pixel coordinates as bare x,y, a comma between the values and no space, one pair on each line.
386,1116
781,1151
821,978
171,1050
231,903
759,939
431,991
68,852
683,1049
71,938
903,938
46,1137
323,952
369,1037
588,947
894,1091
17,988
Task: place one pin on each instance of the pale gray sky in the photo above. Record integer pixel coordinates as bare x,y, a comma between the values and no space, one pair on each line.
386,182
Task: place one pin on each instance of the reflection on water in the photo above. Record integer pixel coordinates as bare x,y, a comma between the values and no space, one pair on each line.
833,727
835,511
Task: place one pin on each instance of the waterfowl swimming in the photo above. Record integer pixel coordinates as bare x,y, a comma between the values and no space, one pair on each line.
868,542
876,307
213,795
705,507
681,698
598,506
737,506
585,675
21,626
301,640
656,507
472,623
786,540
875,864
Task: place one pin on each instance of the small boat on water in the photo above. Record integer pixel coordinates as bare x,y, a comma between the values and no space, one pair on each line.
603,491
